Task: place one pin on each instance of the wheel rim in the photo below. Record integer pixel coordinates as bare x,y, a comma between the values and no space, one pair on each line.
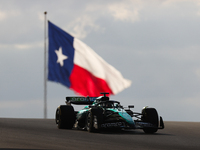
57,116
88,122
95,122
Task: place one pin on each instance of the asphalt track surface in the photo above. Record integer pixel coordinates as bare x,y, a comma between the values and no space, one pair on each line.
36,134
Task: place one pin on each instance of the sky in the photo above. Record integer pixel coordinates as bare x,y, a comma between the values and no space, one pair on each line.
155,44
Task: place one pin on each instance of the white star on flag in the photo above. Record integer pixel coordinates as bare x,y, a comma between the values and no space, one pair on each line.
60,56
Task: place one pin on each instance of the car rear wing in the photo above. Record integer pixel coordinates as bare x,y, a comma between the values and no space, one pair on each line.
80,100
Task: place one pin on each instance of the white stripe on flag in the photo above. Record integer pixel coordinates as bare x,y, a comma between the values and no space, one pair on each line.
86,58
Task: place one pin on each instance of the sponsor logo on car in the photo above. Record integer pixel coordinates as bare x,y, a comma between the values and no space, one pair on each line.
144,124
113,124
82,99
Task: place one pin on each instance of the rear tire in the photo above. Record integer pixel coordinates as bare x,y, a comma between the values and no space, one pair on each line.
150,115
65,117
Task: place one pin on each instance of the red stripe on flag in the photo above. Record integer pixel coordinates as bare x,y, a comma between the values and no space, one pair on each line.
86,84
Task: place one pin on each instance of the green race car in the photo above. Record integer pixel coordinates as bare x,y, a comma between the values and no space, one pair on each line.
101,113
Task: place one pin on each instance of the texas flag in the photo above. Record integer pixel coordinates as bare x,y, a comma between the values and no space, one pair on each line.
75,65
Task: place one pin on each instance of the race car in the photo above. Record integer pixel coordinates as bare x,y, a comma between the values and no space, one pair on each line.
101,113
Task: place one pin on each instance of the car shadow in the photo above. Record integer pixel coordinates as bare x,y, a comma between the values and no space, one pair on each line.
131,132
125,132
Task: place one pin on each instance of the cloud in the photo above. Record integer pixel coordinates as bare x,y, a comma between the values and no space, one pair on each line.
7,14
91,15
25,46
2,15
83,25
125,10
29,46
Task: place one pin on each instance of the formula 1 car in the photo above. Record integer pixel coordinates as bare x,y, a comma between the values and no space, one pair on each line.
104,114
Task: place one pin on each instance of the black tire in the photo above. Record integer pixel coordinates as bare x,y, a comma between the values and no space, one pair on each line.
65,117
94,120
150,115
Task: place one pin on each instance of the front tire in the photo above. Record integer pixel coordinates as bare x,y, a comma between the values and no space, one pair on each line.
94,120
150,115
90,122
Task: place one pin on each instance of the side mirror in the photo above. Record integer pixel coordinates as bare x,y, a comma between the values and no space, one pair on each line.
131,106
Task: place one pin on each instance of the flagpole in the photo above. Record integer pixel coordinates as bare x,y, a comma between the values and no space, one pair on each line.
45,68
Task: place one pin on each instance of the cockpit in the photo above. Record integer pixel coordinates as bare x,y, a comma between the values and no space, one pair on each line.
109,104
